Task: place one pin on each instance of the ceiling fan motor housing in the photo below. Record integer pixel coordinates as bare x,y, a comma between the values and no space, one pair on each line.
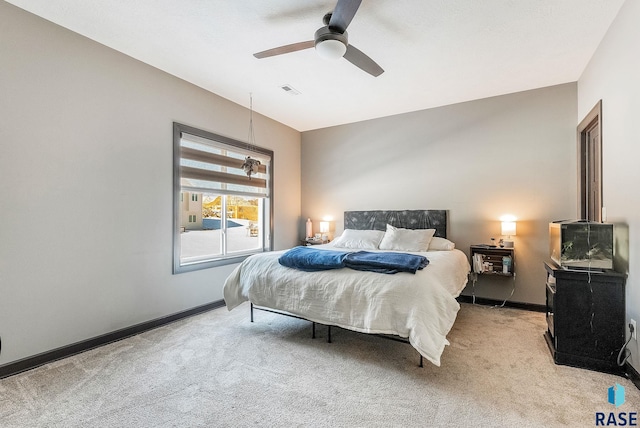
331,44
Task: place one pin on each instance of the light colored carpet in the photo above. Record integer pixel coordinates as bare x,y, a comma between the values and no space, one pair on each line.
218,369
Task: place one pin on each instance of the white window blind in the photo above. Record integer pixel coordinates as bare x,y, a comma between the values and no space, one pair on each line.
206,165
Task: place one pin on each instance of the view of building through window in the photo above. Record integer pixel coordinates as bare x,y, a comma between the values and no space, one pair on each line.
204,237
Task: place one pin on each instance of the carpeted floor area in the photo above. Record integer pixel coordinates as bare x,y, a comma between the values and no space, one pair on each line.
218,369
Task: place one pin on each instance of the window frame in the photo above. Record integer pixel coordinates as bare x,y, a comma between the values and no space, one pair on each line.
178,129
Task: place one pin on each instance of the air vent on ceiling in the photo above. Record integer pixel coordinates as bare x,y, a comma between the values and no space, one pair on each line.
290,89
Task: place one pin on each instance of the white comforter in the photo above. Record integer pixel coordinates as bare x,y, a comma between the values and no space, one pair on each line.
420,307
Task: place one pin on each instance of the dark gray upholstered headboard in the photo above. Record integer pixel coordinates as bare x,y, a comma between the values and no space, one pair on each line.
406,219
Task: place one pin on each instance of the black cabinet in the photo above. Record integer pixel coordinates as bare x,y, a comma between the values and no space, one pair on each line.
585,317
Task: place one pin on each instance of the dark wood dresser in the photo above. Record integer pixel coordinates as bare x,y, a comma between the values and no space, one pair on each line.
585,317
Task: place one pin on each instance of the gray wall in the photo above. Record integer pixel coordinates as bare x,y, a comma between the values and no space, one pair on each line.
86,186
613,76
480,160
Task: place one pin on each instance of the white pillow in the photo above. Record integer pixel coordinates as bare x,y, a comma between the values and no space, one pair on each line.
406,239
359,239
441,244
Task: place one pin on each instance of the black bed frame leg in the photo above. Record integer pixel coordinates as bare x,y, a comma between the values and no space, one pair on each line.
421,365
329,334
313,330
252,312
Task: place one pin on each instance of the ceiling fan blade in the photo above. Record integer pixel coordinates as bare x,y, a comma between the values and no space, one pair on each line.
342,14
285,49
359,59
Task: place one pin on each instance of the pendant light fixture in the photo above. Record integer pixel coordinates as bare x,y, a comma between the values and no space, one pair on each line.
250,165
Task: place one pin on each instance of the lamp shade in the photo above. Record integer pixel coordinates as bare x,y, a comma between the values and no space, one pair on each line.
331,49
324,227
508,228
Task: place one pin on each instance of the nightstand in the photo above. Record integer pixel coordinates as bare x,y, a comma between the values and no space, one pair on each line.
311,241
488,260
492,261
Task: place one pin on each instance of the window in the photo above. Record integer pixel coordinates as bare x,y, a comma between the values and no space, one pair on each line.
221,215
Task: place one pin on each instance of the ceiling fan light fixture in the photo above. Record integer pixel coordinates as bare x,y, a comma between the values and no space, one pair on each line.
331,49
332,41
331,44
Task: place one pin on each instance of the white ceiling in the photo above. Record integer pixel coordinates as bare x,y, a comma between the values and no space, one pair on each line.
434,52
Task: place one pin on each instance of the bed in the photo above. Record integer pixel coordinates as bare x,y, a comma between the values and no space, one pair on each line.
420,307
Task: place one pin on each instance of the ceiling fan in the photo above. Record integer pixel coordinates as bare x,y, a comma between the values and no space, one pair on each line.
332,40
